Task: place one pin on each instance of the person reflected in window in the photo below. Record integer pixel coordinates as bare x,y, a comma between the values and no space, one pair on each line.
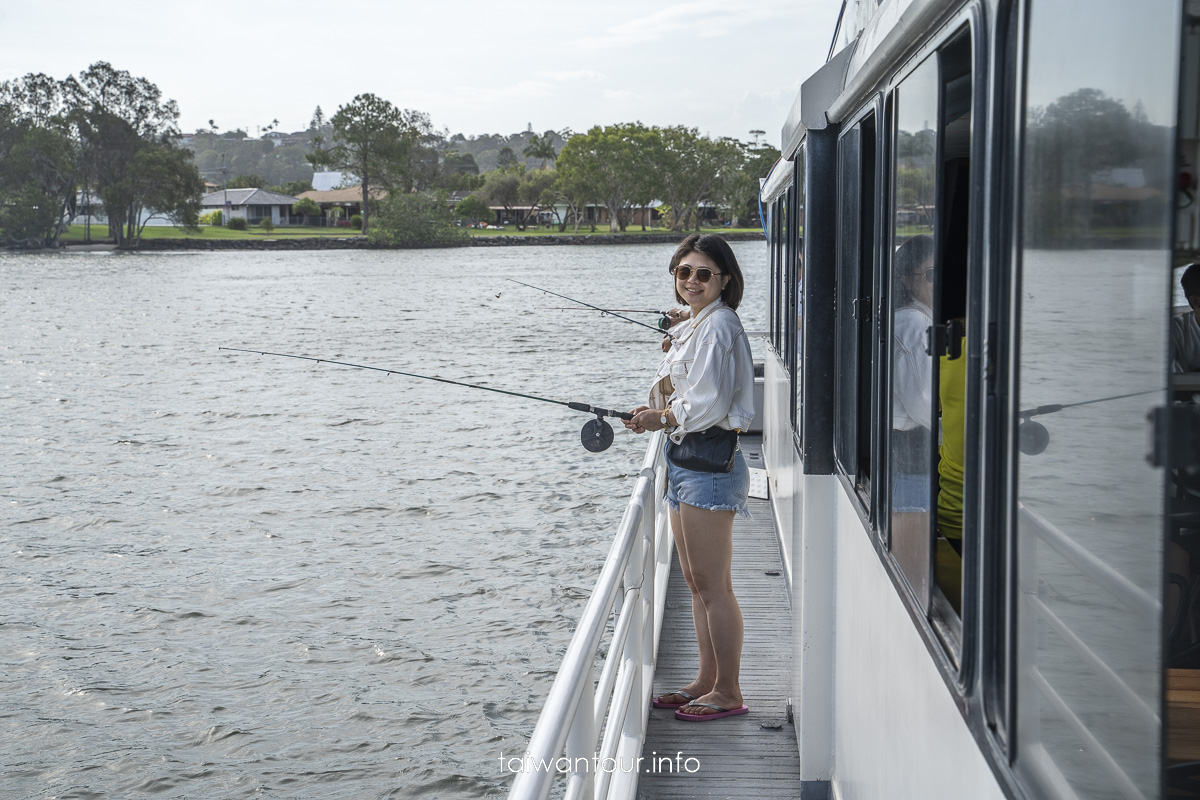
912,374
952,396
1185,329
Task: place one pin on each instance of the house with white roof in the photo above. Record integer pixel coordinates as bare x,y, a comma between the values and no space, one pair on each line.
254,205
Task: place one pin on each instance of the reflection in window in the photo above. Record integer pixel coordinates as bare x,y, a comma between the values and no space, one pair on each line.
798,280
781,274
912,291
1088,507
854,396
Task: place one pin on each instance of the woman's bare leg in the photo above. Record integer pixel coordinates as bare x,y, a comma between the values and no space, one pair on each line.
706,677
708,546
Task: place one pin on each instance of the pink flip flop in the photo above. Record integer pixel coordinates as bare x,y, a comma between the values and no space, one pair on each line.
660,704
720,712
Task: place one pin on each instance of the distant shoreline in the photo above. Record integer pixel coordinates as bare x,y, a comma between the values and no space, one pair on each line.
360,243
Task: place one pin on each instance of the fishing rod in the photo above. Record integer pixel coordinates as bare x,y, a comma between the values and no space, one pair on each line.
1054,408
1033,438
596,436
659,330
608,310
664,317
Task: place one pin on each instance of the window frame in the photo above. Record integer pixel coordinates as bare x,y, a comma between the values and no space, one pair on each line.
795,273
849,424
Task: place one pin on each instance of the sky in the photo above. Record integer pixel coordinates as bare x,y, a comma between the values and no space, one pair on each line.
725,68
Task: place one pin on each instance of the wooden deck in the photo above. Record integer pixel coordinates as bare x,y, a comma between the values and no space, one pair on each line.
748,756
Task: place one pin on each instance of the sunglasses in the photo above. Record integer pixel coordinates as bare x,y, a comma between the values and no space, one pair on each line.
704,274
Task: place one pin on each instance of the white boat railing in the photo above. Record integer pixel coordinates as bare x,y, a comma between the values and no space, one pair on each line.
590,732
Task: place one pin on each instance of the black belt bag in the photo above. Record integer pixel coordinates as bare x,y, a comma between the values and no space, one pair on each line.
705,451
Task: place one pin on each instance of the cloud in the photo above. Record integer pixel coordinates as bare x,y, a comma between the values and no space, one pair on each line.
620,94
704,19
577,75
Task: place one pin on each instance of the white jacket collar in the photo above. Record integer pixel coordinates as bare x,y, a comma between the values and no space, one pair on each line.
705,313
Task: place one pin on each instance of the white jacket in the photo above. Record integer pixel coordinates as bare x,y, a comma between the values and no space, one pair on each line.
1185,343
711,373
912,368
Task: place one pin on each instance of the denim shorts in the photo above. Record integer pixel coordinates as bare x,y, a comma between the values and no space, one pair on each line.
715,491
910,492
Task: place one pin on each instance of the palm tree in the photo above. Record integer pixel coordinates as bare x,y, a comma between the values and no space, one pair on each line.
541,147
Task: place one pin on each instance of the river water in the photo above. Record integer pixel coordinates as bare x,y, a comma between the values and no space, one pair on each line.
229,576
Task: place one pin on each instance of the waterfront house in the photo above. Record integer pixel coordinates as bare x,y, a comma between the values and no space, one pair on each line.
253,205
340,204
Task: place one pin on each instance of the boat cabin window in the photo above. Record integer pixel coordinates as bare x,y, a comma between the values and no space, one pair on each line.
797,285
926,401
779,250
855,339
1091,323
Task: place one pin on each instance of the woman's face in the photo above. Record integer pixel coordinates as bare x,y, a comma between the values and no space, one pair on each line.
920,282
696,294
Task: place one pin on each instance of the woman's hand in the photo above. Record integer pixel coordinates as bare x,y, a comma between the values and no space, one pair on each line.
678,315
632,424
645,419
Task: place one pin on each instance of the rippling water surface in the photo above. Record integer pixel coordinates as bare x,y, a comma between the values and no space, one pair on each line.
225,575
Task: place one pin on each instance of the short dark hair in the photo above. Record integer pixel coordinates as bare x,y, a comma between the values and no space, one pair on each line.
721,254
1190,281
912,254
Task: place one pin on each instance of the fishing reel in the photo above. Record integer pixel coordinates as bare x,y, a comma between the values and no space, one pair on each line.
1032,437
597,435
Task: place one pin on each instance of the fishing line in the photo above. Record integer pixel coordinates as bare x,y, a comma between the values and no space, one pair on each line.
596,436
660,331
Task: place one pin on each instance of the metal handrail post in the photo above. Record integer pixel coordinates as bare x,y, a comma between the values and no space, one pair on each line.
623,782
649,591
634,650
581,740
649,595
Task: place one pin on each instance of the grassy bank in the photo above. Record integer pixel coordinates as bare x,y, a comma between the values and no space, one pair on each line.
99,234
632,230
75,233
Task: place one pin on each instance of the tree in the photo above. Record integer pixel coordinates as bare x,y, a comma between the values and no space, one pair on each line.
292,187
472,209
604,164
416,220
459,172
646,155
246,182
376,141
163,180
37,179
306,207
38,161
507,159
519,191
456,163
737,186
126,132
1067,144
686,171
574,189
541,147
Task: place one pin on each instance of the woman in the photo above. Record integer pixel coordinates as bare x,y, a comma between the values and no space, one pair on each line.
912,376
706,381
